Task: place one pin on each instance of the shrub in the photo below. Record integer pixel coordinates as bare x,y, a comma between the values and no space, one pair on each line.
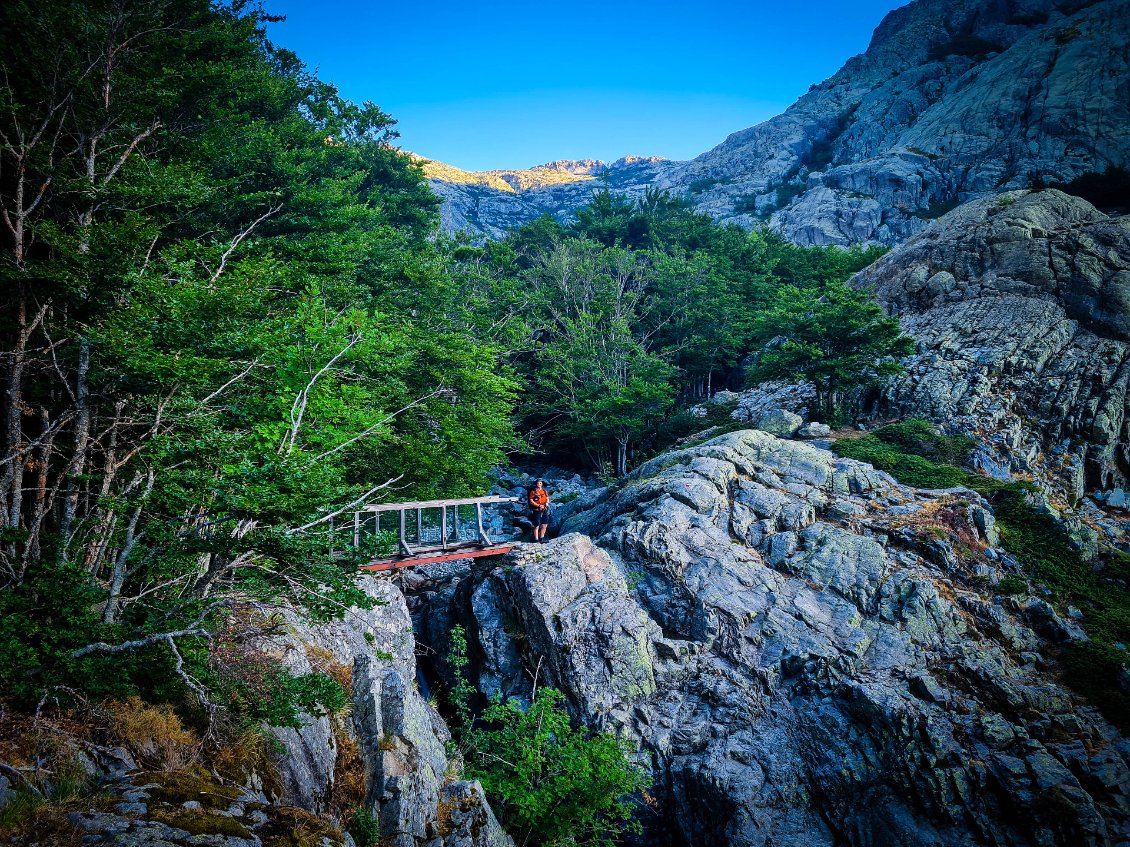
937,209
1108,191
461,692
1012,585
786,193
549,782
1029,19
746,205
1092,669
922,438
365,829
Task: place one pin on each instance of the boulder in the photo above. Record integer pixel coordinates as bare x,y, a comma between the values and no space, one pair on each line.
779,422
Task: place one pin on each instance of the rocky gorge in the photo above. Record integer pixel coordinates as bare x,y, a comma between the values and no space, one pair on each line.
801,650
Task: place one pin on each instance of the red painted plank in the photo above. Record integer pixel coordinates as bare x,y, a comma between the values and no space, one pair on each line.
397,564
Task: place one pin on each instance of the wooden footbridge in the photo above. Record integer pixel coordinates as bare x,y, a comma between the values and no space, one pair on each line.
420,532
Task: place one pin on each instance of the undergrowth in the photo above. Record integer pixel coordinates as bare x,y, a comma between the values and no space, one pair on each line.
916,454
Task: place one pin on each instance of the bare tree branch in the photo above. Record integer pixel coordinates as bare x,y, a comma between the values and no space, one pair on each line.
274,210
230,382
193,630
110,174
371,429
298,408
350,505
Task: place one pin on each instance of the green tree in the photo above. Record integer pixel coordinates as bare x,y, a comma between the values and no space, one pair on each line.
595,367
551,783
836,337
223,319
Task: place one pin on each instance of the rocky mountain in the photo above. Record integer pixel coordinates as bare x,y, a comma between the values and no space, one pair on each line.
1021,307
953,100
489,203
804,653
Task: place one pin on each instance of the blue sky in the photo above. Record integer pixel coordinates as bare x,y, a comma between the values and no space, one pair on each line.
511,84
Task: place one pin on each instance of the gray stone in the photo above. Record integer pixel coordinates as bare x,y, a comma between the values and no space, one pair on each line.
814,430
1030,356
779,422
927,688
778,678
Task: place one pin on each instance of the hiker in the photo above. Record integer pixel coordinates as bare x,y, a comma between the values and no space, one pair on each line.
539,509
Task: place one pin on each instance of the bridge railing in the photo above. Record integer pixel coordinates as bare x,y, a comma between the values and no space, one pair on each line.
419,527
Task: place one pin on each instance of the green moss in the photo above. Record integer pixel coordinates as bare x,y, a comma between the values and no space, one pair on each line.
177,787
201,823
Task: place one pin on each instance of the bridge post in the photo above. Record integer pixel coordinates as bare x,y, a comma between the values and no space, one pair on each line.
443,527
356,529
479,517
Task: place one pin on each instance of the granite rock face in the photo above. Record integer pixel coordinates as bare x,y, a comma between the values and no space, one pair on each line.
1021,308
413,787
952,100
412,784
806,653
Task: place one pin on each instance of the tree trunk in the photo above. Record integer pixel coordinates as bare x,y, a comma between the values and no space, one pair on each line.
622,457
82,448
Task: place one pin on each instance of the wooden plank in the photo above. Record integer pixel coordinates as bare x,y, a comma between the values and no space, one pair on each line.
435,504
397,564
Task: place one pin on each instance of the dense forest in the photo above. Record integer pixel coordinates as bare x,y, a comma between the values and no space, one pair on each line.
617,322
228,316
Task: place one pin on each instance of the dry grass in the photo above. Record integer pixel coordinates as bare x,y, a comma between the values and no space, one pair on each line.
153,734
443,824
247,753
349,787
30,824
47,750
945,518
290,826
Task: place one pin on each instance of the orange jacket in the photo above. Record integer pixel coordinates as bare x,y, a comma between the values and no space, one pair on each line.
539,498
